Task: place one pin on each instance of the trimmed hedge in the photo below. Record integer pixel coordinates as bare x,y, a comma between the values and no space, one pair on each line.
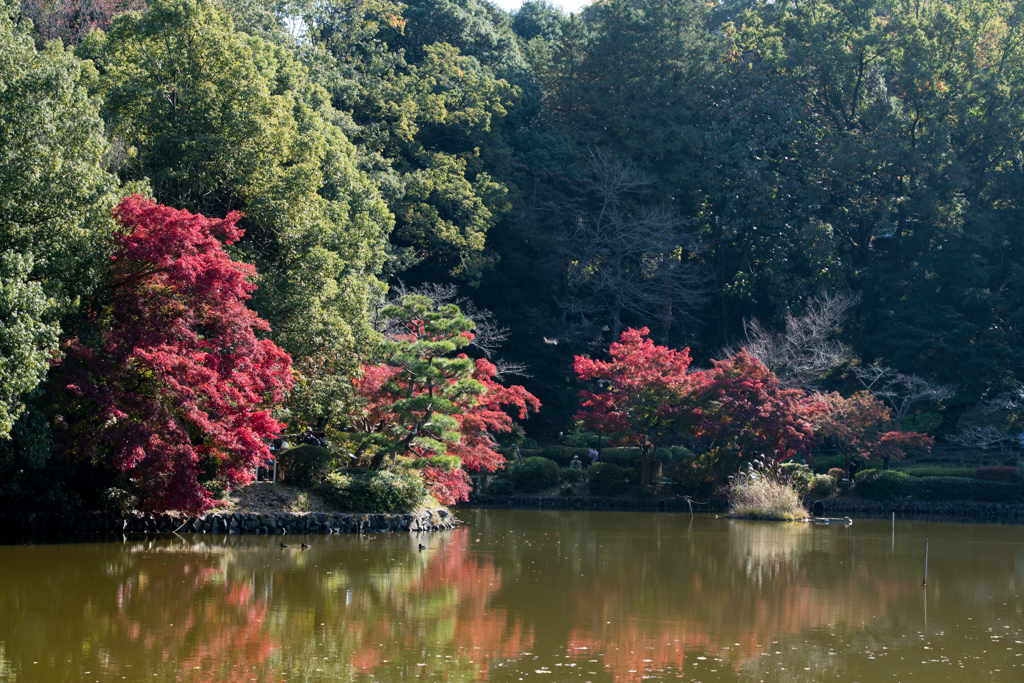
996,473
531,475
353,489
607,479
892,485
562,455
937,471
823,463
501,487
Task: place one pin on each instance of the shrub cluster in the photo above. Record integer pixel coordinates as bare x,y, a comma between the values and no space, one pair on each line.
607,479
305,466
531,475
567,475
501,487
823,485
354,489
891,485
799,475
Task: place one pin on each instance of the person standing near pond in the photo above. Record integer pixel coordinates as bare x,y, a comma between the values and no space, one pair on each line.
594,455
576,465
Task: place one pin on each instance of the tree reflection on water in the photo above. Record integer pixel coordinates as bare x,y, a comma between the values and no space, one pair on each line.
602,596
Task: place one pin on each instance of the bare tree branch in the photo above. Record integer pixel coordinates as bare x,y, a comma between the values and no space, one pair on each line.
629,256
984,436
802,354
902,392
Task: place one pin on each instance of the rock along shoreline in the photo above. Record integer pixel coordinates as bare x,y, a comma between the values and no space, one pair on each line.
20,525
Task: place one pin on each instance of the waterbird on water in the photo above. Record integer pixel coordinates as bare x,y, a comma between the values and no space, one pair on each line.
285,545
423,547
305,546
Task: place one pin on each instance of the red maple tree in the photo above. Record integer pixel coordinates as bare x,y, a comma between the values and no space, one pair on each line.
745,413
862,426
168,375
646,399
477,447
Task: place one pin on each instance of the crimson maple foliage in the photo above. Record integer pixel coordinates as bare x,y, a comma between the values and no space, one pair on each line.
477,447
862,426
747,413
647,397
168,375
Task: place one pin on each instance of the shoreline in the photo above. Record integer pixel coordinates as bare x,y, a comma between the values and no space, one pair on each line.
28,526
22,527
954,511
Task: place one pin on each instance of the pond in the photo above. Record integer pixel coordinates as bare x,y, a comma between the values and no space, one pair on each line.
526,595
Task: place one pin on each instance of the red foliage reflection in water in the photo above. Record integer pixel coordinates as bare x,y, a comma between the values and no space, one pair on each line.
206,617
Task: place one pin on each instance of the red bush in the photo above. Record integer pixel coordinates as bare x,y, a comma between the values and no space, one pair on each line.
996,473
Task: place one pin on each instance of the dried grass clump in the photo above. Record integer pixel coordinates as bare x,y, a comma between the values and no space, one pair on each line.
764,494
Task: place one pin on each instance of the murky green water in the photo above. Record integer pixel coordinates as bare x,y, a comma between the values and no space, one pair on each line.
526,595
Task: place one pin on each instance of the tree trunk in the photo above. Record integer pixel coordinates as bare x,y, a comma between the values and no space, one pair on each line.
645,470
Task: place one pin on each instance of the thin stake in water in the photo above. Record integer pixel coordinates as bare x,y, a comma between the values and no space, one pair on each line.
924,582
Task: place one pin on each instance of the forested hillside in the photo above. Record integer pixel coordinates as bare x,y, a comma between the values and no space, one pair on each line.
834,185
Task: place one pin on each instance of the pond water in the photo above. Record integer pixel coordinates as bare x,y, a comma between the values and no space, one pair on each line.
526,595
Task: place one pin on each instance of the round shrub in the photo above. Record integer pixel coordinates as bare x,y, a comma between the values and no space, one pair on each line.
501,487
305,466
837,473
823,486
884,485
534,474
800,476
353,489
606,479
567,475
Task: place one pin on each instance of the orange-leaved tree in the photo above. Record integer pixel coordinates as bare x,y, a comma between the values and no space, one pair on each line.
863,426
646,397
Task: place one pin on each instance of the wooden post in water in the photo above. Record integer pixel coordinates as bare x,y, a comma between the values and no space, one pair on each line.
924,582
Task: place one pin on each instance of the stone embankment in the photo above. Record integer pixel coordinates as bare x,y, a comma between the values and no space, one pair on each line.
678,504
961,510
43,524
964,511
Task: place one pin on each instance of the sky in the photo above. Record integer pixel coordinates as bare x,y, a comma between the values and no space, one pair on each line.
567,5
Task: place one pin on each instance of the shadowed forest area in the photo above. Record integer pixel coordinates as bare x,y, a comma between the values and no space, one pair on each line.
414,228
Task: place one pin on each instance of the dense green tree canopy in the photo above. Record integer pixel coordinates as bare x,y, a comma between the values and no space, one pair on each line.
55,199
221,121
